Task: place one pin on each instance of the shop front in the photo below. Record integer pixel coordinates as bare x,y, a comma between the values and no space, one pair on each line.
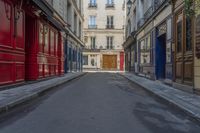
31,45
12,44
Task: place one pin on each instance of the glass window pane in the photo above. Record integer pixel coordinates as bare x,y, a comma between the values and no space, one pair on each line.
188,34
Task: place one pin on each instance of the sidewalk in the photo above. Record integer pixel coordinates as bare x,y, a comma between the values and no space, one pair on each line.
189,103
18,95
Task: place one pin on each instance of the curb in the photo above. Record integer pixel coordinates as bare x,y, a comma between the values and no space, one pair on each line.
27,98
182,108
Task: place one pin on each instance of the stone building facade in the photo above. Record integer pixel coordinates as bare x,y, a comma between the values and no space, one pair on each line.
103,34
162,42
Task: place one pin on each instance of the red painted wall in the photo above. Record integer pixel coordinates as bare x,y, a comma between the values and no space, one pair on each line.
12,55
121,61
44,53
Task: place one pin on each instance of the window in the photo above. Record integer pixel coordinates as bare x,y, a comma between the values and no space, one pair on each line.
93,42
109,42
110,21
85,60
92,22
92,62
179,37
110,4
145,50
93,59
188,34
92,3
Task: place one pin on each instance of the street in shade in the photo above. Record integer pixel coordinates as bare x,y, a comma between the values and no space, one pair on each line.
97,103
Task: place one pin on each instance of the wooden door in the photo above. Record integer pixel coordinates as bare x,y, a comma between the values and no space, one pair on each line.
110,62
183,49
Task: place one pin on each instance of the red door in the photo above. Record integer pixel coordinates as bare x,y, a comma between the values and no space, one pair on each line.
122,61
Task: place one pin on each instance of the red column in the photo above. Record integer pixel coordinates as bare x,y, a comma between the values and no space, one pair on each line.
32,48
60,55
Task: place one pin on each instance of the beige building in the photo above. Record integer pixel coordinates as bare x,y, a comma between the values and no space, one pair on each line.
103,31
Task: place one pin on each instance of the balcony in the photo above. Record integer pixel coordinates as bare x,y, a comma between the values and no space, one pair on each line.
152,9
158,3
110,47
110,5
92,26
148,13
92,5
109,26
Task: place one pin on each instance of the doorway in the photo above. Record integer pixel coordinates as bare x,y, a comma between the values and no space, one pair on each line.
161,56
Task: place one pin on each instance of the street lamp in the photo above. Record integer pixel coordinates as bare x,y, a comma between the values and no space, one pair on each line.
129,4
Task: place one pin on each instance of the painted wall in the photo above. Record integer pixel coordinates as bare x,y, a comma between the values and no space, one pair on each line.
196,60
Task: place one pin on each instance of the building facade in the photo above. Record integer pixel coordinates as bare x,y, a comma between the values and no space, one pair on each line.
33,35
148,43
72,13
103,35
161,42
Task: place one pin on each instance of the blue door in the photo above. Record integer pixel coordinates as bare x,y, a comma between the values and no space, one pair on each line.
160,56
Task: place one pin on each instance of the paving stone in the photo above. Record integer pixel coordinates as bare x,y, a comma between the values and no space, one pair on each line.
188,102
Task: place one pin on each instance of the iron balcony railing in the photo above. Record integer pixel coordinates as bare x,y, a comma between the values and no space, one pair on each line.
158,3
110,5
109,26
110,47
92,26
152,9
148,13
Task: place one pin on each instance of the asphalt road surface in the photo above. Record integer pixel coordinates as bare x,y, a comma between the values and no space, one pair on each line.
97,103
